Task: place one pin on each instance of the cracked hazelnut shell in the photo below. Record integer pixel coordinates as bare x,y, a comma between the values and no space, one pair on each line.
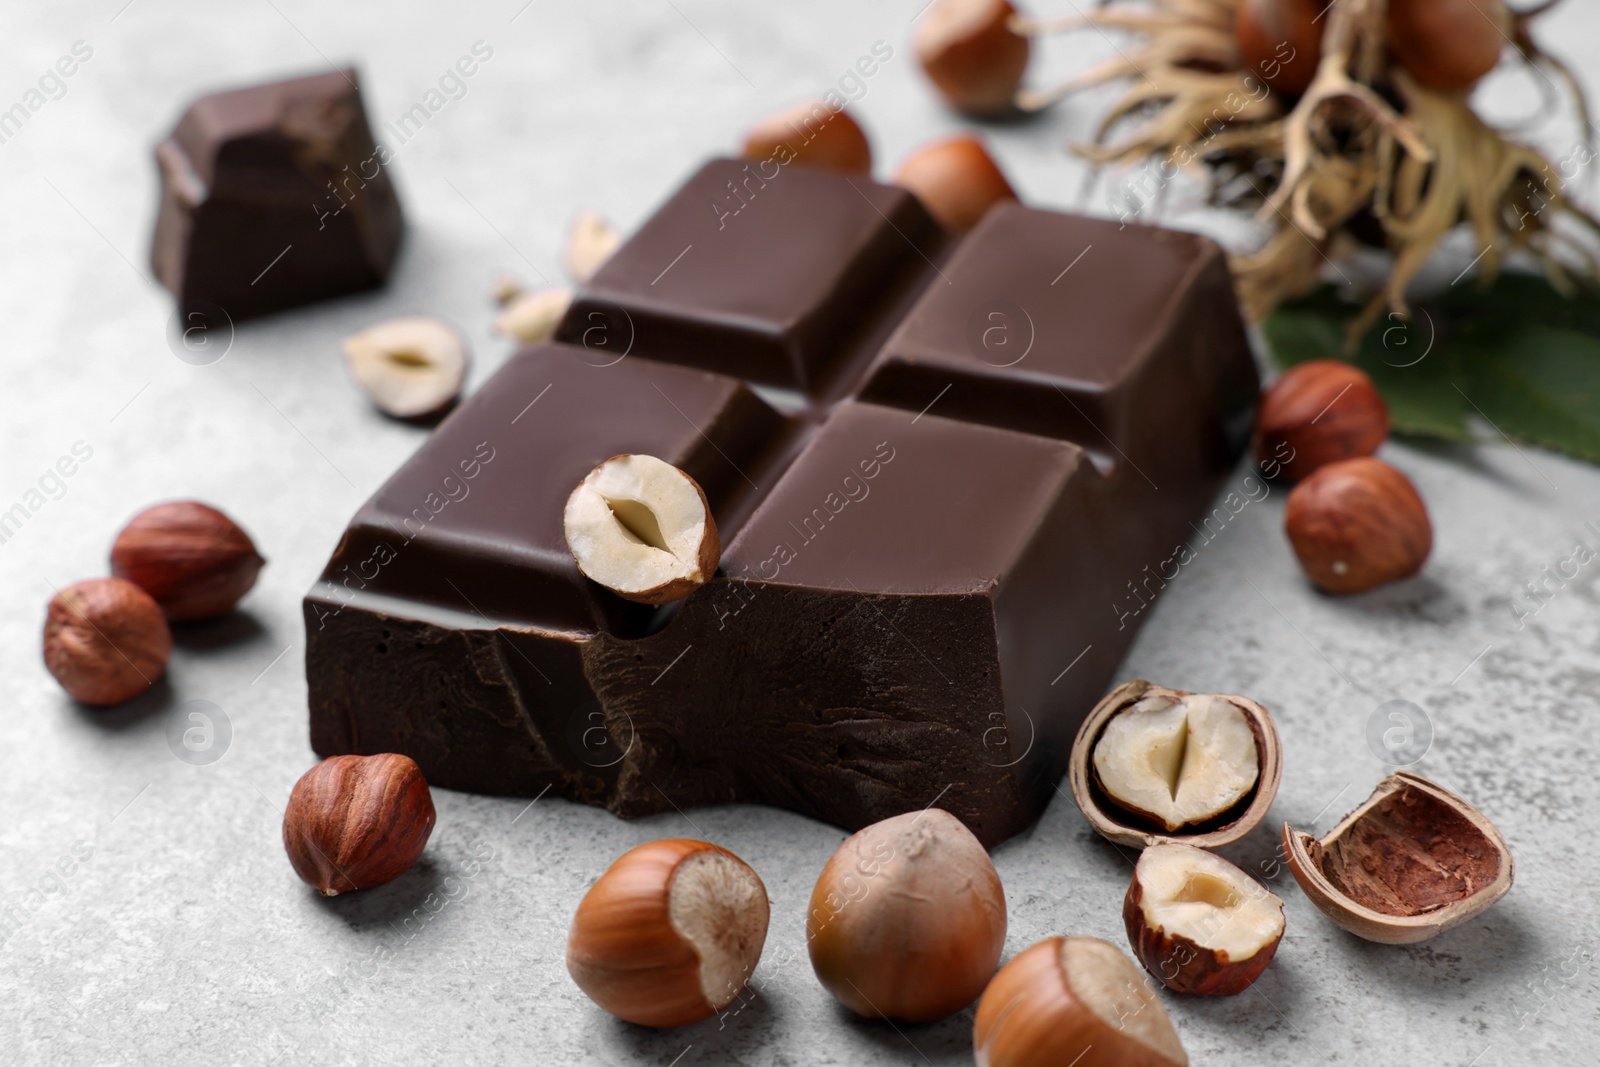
191,558
1116,823
1412,861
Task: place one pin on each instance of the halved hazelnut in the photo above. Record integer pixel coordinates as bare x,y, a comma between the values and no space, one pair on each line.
1154,764
590,242
1198,923
411,367
813,134
669,934
642,528
531,317
1412,861
956,179
972,54
1073,1002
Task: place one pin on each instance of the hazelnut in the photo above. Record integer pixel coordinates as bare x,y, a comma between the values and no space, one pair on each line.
813,134
907,919
1152,764
1357,524
1409,863
194,560
1448,44
669,934
972,54
505,289
106,641
956,179
590,242
411,367
642,528
1199,924
1280,41
1319,413
354,822
531,317
1074,1002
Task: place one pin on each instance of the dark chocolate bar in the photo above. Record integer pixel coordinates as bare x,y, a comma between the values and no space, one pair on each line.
930,540
272,197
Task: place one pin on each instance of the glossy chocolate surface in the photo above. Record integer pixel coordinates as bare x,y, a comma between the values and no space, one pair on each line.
274,196
928,547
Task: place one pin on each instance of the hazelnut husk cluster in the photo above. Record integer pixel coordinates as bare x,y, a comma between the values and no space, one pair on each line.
107,640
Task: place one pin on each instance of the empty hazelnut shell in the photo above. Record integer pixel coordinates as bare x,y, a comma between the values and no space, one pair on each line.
1117,824
1412,861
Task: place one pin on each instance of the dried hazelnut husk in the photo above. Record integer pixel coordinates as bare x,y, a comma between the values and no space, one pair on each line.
1356,525
354,822
106,641
191,558
1154,764
1412,861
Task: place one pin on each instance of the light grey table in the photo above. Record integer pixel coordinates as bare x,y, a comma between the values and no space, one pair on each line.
182,936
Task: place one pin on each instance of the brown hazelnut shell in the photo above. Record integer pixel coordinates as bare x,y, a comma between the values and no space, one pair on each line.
956,179
1357,524
1318,413
1365,875
812,134
354,822
1122,827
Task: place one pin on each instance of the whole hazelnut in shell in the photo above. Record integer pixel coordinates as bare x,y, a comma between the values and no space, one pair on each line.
907,919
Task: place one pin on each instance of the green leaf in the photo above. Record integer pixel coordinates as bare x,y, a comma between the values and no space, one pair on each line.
1520,355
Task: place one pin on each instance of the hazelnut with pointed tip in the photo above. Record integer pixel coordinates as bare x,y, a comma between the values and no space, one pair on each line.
956,179
354,822
191,558
812,134
972,54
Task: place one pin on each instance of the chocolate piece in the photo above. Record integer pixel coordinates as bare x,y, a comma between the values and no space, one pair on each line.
272,197
920,597
762,278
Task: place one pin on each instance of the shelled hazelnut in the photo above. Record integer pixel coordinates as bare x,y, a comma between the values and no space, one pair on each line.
1356,525
1155,764
907,919
191,558
1199,924
105,641
642,528
1319,413
354,822
669,934
412,367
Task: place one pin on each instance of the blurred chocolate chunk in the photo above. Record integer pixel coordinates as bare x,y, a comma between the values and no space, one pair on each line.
272,197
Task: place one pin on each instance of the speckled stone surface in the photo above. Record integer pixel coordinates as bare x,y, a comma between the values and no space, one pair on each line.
146,908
